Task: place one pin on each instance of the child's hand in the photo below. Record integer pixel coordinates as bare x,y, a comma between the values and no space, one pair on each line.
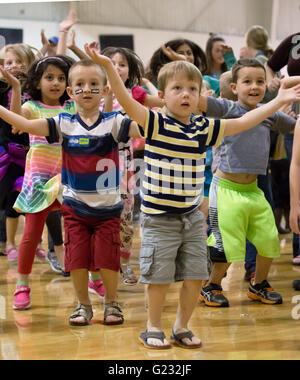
95,46
67,24
11,79
226,48
275,83
44,39
172,55
208,93
71,42
288,95
93,53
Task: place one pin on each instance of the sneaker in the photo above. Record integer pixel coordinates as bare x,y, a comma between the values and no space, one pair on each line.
212,296
97,287
296,260
22,298
40,253
11,253
53,261
296,284
264,293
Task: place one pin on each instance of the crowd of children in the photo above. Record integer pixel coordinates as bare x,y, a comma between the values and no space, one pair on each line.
203,121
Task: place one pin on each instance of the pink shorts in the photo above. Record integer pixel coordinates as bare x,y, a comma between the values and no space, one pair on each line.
91,243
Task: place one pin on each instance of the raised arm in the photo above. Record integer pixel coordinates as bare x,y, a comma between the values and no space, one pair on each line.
38,127
256,116
291,81
64,27
15,104
134,109
74,48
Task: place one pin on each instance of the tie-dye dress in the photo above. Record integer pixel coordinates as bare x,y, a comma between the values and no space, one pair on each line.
42,178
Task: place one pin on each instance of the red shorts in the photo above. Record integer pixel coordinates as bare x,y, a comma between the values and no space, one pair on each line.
91,243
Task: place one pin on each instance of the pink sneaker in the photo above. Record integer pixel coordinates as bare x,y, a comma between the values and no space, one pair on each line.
97,287
40,253
296,260
11,253
22,298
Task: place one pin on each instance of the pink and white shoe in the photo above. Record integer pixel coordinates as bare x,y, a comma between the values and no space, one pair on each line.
11,253
296,260
22,298
97,287
40,253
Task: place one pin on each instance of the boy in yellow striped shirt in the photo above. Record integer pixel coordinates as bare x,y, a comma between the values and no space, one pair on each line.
173,242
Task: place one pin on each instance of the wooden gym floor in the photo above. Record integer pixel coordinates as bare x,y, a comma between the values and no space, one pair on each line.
245,331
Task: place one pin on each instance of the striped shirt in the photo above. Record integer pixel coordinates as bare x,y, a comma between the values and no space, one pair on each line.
90,167
175,161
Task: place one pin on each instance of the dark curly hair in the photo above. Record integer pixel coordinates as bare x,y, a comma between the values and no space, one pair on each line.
135,64
159,59
37,69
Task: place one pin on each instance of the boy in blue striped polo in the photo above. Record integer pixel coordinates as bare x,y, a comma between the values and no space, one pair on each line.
173,244
90,176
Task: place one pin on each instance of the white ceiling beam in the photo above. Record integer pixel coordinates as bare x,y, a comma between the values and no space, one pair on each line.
145,22
200,13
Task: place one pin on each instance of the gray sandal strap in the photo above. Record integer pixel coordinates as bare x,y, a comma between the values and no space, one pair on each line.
85,311
186,334
113,309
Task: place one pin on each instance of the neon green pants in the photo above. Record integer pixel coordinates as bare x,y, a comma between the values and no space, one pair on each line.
238,212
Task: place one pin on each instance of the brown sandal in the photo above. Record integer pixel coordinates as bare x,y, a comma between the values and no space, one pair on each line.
113,309
84,311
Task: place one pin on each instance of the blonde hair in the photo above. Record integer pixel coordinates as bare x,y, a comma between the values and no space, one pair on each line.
225,89
88,63
257,38
23,51
171,69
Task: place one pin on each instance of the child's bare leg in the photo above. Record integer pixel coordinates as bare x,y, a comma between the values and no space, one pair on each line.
156,294
189,296
23,279
263,265
110,282
60,254
11,230
218,272
80,279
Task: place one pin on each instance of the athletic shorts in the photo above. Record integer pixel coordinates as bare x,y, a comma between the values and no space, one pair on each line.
238,212
91,243
173,248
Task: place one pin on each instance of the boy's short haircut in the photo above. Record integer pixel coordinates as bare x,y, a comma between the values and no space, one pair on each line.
225,89
245,62
88,63
171,69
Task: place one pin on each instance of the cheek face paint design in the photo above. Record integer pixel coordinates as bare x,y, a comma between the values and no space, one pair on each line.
93,91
